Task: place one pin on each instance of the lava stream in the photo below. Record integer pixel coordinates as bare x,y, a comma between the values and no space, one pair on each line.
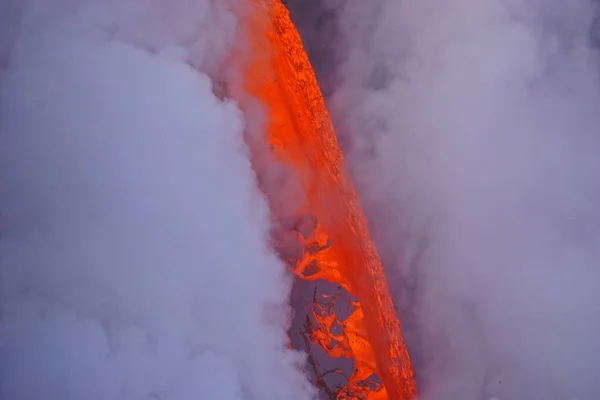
325,235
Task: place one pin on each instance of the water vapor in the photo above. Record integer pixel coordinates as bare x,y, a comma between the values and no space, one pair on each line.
134,255
473,133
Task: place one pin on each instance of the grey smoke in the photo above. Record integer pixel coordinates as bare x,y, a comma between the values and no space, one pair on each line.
134,255
472,129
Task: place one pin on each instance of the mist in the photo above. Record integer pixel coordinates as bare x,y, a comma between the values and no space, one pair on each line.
472,131
134,260
134,254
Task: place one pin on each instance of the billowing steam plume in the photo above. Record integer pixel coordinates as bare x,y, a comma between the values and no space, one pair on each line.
133,244
134,261
473,131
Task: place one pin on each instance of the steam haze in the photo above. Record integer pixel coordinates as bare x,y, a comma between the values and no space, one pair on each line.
134,261
472,129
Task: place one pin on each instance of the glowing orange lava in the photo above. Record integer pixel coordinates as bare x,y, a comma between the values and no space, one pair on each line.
328,221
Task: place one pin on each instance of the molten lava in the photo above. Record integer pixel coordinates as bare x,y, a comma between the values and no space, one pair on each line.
325,235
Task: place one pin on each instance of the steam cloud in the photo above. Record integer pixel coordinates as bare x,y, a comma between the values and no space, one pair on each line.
472,129
134,261
133,256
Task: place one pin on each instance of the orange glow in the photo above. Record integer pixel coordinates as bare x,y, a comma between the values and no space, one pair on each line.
333,236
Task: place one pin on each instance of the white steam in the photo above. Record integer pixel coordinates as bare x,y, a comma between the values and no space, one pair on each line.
476,143
134,261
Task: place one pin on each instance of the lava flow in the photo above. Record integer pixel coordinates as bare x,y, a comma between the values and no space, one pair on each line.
321,232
